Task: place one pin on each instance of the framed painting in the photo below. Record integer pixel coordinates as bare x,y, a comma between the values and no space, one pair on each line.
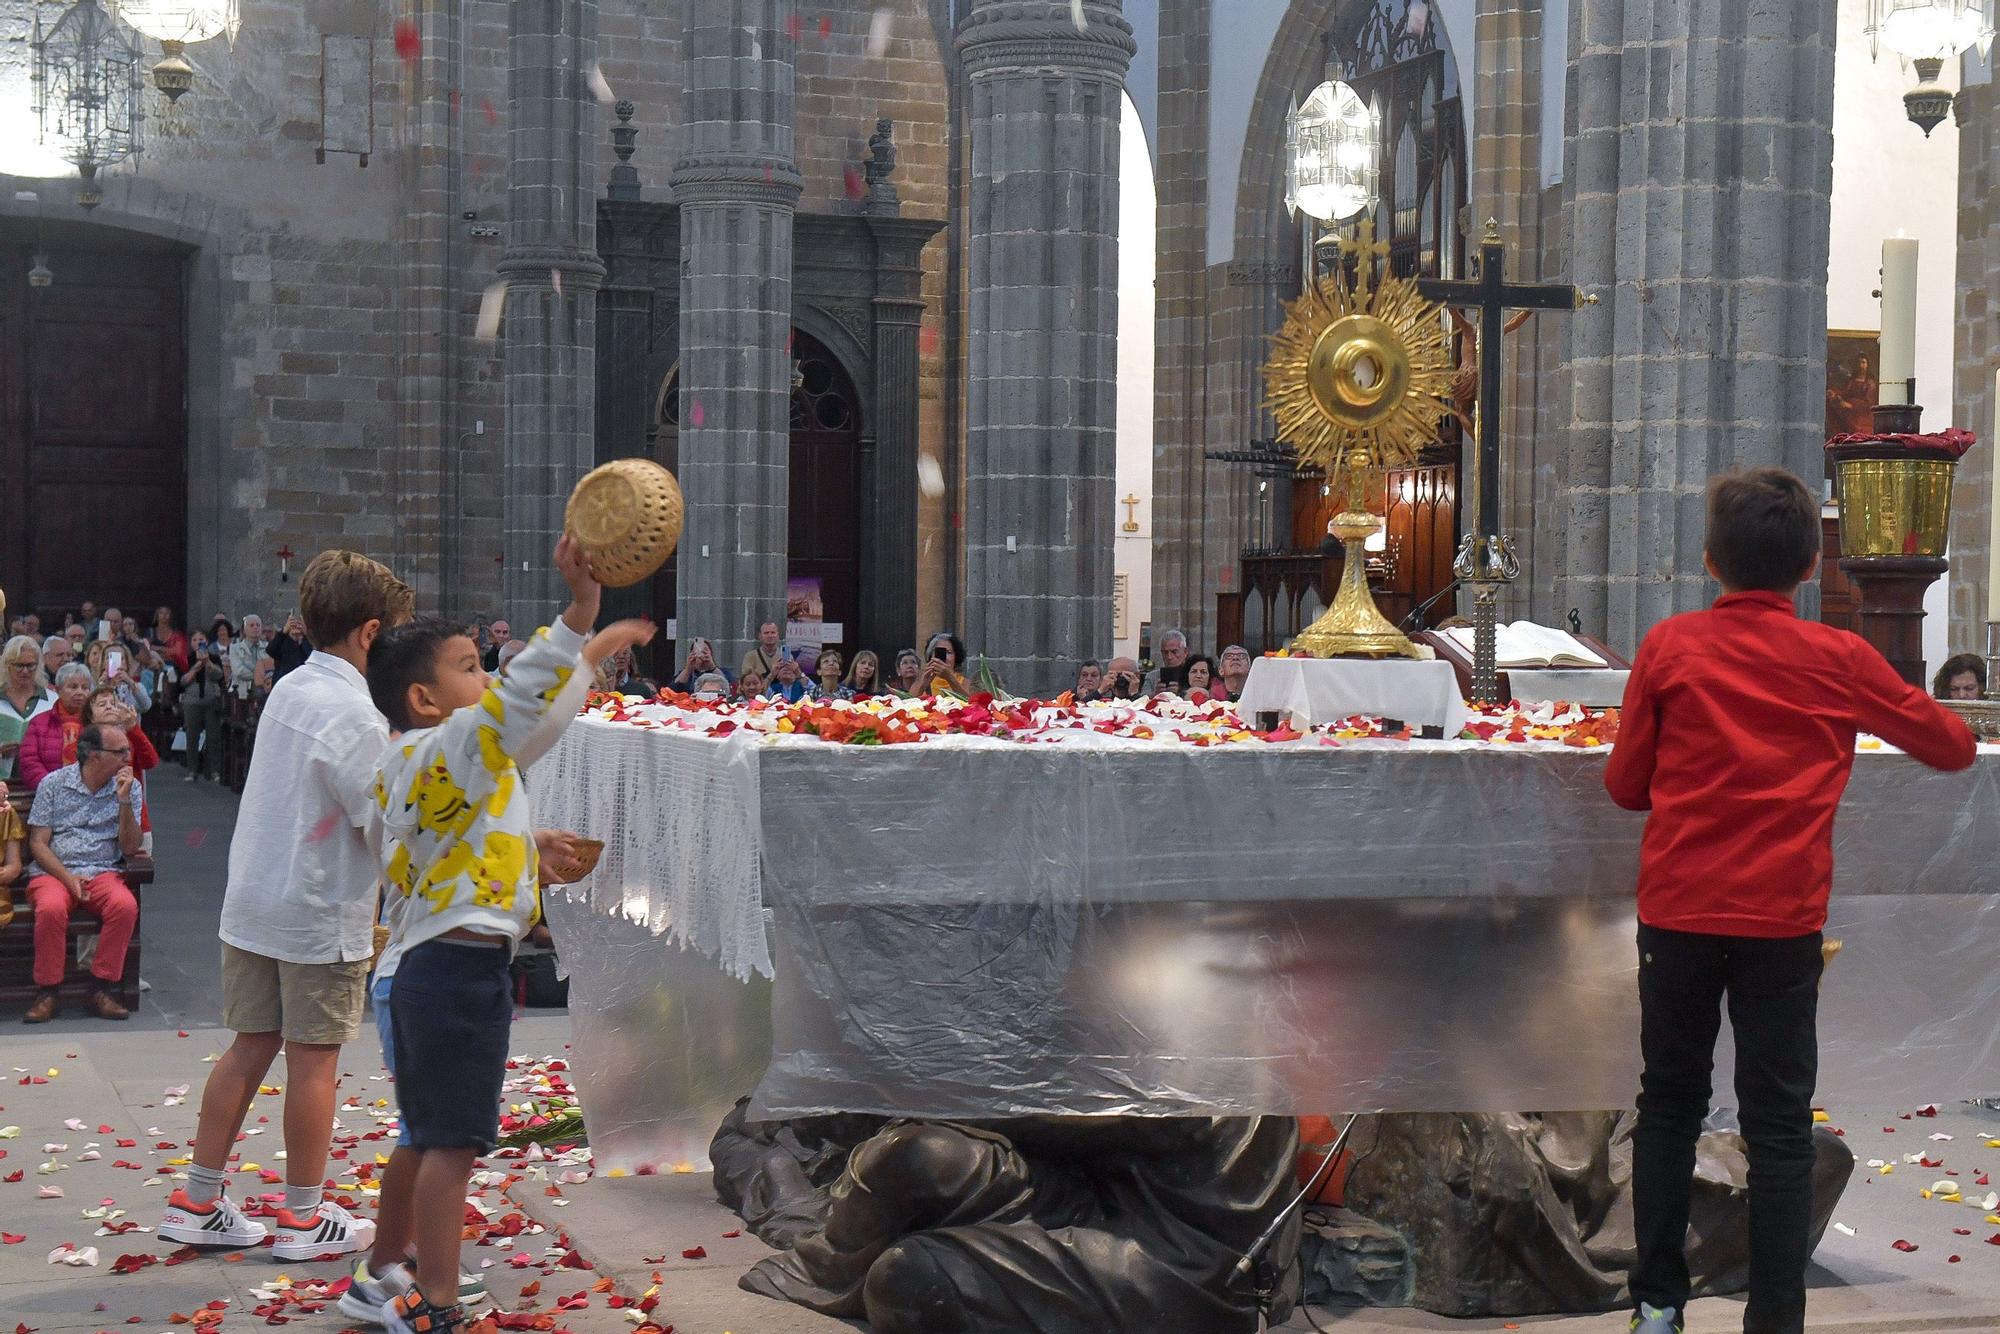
1853,357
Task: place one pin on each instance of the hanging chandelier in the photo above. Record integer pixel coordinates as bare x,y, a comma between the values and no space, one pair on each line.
1927,33
87,91
1331,145
175,24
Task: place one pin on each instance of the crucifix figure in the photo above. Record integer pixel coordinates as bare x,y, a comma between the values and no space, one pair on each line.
1484,558
1131,504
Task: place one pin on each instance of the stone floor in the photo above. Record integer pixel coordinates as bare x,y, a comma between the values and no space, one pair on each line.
119,1075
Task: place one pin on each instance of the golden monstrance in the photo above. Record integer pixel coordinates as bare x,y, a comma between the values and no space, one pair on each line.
1358,378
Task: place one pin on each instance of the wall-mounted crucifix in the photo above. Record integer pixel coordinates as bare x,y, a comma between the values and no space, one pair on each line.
1131,504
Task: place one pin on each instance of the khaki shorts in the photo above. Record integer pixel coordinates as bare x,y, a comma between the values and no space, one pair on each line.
317,1003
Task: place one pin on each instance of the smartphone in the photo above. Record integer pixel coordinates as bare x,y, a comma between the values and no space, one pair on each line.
114,662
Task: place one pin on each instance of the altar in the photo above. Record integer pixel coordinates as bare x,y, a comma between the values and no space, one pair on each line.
1112,925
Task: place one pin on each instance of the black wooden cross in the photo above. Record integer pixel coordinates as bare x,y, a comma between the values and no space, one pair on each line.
1494,296
1483,558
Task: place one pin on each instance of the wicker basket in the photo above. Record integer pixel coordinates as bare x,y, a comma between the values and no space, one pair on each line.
627,514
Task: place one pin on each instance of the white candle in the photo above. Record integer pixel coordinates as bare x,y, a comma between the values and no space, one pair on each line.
1993,503
1899,318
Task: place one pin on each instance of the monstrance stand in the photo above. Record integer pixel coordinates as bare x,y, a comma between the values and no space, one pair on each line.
1356,381
1486,560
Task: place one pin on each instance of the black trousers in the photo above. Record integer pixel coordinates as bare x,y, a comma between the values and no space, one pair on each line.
1772,988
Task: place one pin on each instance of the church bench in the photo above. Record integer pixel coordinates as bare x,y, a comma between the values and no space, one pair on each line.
17,939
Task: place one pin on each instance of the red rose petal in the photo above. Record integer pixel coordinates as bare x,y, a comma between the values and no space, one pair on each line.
694,1253
1904,1245
409,43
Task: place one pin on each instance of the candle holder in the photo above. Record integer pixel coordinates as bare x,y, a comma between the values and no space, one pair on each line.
1895,518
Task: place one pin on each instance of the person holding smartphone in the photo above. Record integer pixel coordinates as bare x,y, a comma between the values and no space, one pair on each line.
201,697
944,666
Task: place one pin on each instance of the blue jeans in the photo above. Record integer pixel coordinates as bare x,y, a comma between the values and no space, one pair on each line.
378,995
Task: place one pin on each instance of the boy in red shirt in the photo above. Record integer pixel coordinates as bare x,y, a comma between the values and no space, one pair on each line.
1738,735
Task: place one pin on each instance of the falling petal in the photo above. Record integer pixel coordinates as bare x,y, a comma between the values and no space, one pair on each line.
322,831
879,24
852,176
555,281
1076,16
486,110
930,477
695,414
491,303
197,836
825,28
599,87
409,44
794,27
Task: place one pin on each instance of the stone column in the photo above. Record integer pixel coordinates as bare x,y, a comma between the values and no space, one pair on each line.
1977,339
889,547
737,189
1699,163
552,273
1041,402
1505,185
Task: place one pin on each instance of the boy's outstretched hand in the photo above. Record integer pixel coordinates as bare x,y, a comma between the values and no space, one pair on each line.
586,594
614,637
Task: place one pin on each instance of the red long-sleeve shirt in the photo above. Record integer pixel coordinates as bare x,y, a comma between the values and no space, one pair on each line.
1738,735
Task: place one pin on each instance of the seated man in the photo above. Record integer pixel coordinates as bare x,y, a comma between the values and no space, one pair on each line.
85,820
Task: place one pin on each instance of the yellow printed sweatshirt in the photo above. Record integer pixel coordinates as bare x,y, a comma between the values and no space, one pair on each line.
458,834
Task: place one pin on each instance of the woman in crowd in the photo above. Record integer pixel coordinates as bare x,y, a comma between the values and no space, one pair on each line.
700,662
909,673
200,700
864,678
749,685
1089,680
111,664
171,643
944,666
828,670
710,685
24,690
786,682
50,742
1961,677
104,707
1201,676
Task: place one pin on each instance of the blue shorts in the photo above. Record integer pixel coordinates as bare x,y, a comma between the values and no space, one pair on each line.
378,996
451,1012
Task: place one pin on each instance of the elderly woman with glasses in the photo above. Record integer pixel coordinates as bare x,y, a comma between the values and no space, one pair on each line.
50,741
24,693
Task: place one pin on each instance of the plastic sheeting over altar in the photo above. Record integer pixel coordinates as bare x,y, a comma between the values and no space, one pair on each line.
976,928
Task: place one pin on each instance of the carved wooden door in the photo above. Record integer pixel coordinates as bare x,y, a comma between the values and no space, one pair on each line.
93,432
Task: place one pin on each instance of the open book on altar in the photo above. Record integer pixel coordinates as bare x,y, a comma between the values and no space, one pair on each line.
1525,644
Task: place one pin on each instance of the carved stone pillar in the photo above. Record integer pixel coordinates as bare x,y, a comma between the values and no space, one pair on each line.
552,274
737,189
1041,403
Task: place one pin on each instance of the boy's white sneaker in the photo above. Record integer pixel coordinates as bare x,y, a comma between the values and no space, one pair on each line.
330,1231
219,1223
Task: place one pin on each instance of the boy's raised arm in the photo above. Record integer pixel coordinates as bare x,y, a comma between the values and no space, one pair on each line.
1905,717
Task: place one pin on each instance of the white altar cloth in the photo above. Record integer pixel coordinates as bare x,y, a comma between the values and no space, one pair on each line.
969,927
1316,691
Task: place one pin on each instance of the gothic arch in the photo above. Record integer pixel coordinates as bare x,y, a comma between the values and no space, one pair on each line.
1296,55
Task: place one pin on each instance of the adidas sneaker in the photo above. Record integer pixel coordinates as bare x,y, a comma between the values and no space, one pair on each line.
331,1231
219,1223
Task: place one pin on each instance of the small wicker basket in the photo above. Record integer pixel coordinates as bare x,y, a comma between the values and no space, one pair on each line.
627,514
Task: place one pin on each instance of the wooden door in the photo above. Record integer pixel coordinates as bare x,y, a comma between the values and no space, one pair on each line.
93,430
824,519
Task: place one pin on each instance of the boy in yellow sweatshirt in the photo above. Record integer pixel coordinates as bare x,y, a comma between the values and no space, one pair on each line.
459,846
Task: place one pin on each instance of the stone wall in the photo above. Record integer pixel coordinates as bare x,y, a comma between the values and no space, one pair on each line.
336,381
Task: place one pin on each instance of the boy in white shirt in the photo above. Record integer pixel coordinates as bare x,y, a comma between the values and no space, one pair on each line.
460,850
298,917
